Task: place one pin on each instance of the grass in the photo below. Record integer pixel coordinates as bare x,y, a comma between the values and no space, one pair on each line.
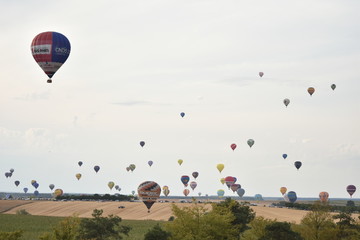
34,226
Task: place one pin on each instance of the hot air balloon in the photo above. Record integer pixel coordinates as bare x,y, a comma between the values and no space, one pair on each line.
127,169
51,186
220,167
96,168
180,161
333,86
78,176
240,192
351,189
50,50
165,187
185,179
286,101
33,181
111,185
7,174
283,190
25,190
142,143
250,142
195,174
149,192
220,193
193,185
36,193
258,197
297,164
229,181
284,155
182,114
132,167
17,183
292,196
150,163
233,146
166,192
199,194
323,196
235,179
35,185
11,170
261,74
133,192
58,192
222,180
116,187
311,90
186,192
80,163
234,187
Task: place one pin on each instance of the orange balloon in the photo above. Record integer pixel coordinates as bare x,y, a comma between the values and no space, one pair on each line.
283,190
324,196
186,192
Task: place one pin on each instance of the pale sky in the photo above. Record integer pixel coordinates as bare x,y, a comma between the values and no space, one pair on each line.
135,66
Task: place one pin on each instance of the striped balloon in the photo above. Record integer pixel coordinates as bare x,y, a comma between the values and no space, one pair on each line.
149,192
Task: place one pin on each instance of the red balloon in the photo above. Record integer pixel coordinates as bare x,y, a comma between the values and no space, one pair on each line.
233,146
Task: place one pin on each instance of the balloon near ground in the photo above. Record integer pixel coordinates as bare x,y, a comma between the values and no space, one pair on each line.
240,192
351,189
50,50
220,193
292,196
324,196
58,192
186,192
149,192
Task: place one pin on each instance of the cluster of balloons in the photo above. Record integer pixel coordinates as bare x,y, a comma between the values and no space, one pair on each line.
10,173
131,167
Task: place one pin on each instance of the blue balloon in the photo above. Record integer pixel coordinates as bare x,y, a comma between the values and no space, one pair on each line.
25,190
284,155
36,193
292,196
36,185
182,114
297,164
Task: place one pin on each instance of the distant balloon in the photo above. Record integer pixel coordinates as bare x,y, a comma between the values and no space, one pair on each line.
229,181
127,169
250,142
323,196
186,192
297,164
199,194
11,170
35,185
96,168
165,187
284,155
292,196
258,197
193,185
233,146
51,186
116,187
150,163
220,193
180,161
78,176
50,50
240,192
333,86
17,183
58,192
283,190
32,182
25,190
36,193
185,179
234,187
311,90
222,180
182,114
220,167
111,185
149,192
80,163
261,74
132,167
195,174
142,143
286,101
133,192
351,189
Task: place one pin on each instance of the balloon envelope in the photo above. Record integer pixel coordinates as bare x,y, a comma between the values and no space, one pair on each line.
284,155
286,101
78,176
182,114
96,168
240,192
220,167
25,190
292,196
17,183
234,187
311,90
233,146
166,192
323,196
185,179
180,161
149,192
51,186
111,185
195,174
80,163
193,185
250,142
333,86
58,192
297,164
150,163
50,50
222,180
229,181
142,143
283,190
186,192
351,189
220,193
261,74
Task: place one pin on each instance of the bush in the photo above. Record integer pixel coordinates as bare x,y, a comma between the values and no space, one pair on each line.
157,233
171,218
22,212
10,235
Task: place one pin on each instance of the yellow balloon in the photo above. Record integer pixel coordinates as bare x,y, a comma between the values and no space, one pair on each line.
58,192
180,161
283,190
111,185
220,167
78,176
222,180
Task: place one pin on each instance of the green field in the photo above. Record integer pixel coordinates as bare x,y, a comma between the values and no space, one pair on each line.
35,226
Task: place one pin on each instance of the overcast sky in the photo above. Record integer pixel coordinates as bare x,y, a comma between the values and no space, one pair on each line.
136,65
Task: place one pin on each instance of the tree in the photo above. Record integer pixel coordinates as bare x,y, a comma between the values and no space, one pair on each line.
280,231
157,233
198,223
242,212
257,228
102,228
347,227
317,224
67,229
11,235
